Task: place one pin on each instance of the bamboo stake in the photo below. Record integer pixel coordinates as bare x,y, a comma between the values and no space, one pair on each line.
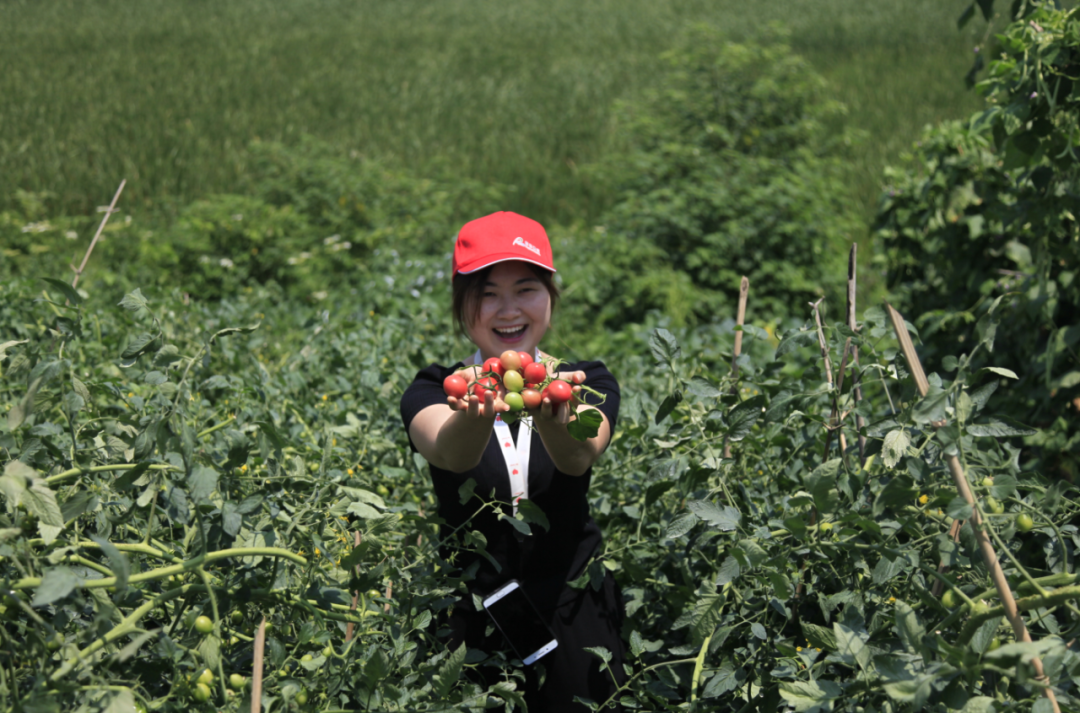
101,228
740,319
834,417
856,389
257,668
997,575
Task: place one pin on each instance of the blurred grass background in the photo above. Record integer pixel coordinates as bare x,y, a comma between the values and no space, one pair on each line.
171,94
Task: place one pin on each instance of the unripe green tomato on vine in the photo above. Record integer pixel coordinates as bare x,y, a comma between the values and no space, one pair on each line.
201,693
205,676
1024,522
328,651
204,625
236,615
987,482
301,697
305,658
948,599
995,644
995,506
825,527
237,682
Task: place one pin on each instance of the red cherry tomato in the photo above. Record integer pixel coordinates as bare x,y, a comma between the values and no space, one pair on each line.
481,387
558,391
535,373
511,360
495,365
532,398
526,359
456,386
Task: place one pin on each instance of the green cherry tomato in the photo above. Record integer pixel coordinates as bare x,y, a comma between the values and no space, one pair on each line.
513,382
948,599
825,527
1024,522
995,644
987,482
237,616
301,697
204,625
201,692
995,506
514,400
237,682
207,677
328,651
140,707
305,658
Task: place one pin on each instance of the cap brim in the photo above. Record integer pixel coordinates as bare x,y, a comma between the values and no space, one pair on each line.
488,262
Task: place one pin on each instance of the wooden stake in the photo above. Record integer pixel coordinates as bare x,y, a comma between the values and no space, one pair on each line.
856,389
834,417
257,667
101,228
740,320
1008,602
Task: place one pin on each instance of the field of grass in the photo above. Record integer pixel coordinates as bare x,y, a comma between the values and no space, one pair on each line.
169,95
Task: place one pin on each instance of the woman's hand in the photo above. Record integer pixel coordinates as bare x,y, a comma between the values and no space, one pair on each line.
476,407
560,412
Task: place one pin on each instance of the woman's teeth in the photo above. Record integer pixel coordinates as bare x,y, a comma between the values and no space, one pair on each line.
509,332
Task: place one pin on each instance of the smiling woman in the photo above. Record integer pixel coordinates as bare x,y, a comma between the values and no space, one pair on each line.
503,296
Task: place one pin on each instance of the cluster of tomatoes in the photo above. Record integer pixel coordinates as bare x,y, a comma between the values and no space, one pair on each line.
515,378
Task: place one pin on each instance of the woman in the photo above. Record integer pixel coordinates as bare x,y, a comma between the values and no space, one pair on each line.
503,297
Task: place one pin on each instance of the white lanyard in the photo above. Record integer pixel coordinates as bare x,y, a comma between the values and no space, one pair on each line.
517,458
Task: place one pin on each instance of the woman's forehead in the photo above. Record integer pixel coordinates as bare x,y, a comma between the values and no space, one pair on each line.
511,271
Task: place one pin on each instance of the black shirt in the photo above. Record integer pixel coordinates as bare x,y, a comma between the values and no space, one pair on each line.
546,560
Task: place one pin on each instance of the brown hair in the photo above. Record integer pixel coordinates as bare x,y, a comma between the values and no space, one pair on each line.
468,293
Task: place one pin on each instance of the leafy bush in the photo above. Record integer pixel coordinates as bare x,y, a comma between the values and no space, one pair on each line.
172,461
985,222
731,171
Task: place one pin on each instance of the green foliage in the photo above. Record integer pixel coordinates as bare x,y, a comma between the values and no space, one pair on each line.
985,223
218,457
732,173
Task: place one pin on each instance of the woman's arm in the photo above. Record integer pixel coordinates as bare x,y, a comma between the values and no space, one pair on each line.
570,455
453,436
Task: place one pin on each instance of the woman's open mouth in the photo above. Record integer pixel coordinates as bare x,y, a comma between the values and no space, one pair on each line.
510,334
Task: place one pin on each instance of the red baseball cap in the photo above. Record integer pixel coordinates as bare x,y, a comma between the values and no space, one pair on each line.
500,237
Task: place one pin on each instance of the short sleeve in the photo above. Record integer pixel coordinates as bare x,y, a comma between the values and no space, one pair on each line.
425,390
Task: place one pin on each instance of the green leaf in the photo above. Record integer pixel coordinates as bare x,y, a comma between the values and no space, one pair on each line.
665,348
852,643
134,301
1000,427
804,696
887,568
1004,486
728,572
531,513
959,508
271,433
586,425
65,289
794,340
233,330
930,409
122,701
909,628
139,344
210,650
680,526
8,345
57,583
965,16
518,525
743,416
668,405
449,672
601,652
726,679
702,388
819,636
895,446
465,492
41,502
1001,371
201,483
723,519
118,562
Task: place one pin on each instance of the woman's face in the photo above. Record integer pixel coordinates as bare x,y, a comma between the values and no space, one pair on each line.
515,311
